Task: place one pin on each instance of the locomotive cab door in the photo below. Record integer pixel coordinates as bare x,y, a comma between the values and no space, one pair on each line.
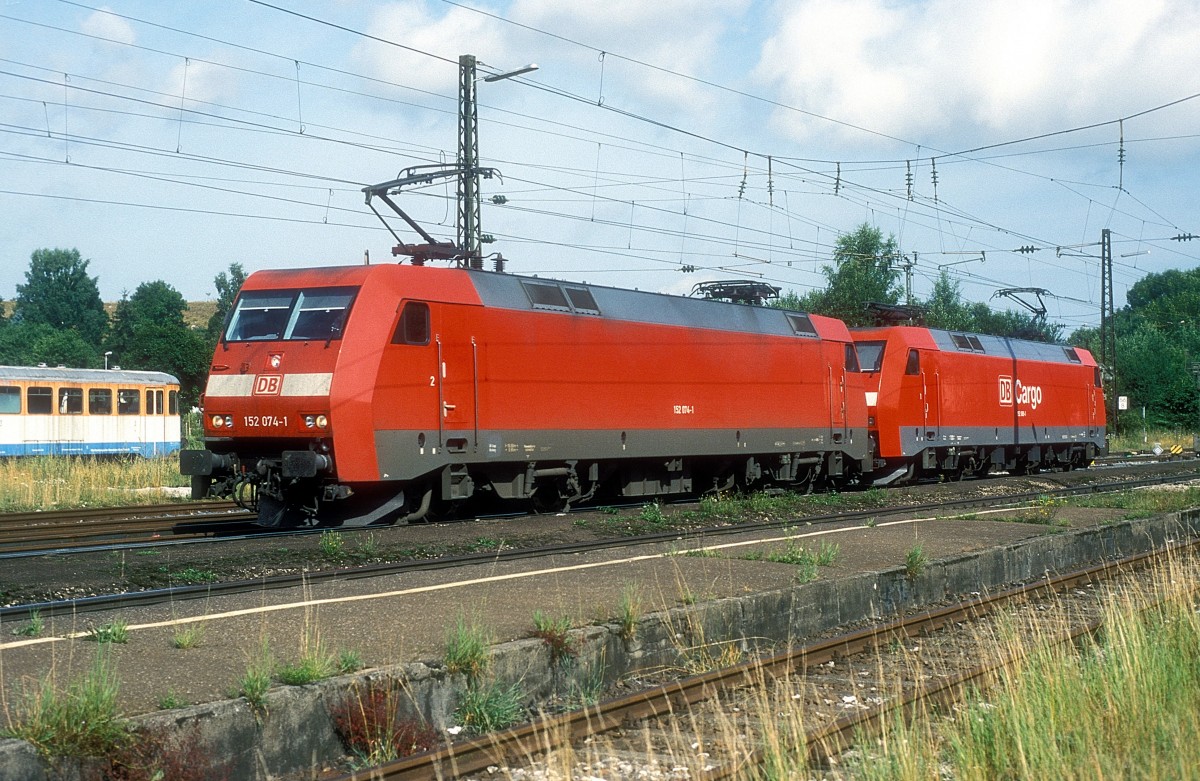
835,372
457,382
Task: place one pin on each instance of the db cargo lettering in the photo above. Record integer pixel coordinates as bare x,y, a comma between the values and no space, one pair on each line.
1030,395
1027,395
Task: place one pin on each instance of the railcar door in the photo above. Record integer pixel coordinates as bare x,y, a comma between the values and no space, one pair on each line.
836,380
131,428
457,383
68,421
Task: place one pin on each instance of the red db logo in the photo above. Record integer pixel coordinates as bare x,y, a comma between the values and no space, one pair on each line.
1006,391
268,384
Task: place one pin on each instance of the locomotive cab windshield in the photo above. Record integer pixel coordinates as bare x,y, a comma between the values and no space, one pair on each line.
290,315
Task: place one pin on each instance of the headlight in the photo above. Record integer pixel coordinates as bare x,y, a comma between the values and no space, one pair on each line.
322,421
217,421
229,421
308,421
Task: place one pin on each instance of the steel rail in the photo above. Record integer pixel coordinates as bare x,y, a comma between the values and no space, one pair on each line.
538,737
201,591
66,529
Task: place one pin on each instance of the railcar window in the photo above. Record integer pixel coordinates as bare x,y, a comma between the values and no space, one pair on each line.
1072,356
801,324
968,343
413,327
546,296
582,300
70,401
128,402
39,401
99,401
154,402
870,355
10,400
913,367
1098,381
173,403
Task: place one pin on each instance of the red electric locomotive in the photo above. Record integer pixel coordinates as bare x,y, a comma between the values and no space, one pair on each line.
944,403
413,386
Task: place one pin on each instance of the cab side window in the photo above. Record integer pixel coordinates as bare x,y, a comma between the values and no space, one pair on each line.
413,326
913,367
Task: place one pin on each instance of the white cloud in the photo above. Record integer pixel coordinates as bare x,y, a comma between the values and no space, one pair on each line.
102,23
412,24
945,71
685,36
196,80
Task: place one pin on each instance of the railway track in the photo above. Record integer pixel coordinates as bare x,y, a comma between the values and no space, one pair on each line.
706,726
674,538
58,530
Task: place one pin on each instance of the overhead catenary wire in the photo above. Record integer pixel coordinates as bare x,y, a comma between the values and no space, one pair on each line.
859,193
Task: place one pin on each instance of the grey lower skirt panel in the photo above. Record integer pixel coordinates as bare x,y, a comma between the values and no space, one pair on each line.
404,455
915,440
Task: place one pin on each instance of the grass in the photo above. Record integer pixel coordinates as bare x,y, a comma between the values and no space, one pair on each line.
256,679
369,547
1141,504
629,611
49,482
32,628
82,721
555,633
332,545
1135,440
314,663
171,701
467,646
487,708
915,562
1123,705
805,560
192,575
369,723
112,632
188,637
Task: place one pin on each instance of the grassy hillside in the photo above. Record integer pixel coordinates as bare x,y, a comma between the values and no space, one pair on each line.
197,314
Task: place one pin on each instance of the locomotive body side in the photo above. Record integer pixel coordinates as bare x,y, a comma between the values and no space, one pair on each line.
557,388
444,383
952,403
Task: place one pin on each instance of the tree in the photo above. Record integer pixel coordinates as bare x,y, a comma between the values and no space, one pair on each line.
1166,301
28,344
59,293
862,272
946,309
149,332
227,286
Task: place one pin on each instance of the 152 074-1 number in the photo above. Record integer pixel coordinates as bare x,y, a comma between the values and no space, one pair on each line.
264,421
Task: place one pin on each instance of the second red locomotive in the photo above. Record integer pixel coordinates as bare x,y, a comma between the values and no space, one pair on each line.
947,404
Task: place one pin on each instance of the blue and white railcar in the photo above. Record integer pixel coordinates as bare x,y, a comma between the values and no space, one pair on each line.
47,411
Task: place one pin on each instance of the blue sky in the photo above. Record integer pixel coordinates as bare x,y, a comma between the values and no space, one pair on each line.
166,140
